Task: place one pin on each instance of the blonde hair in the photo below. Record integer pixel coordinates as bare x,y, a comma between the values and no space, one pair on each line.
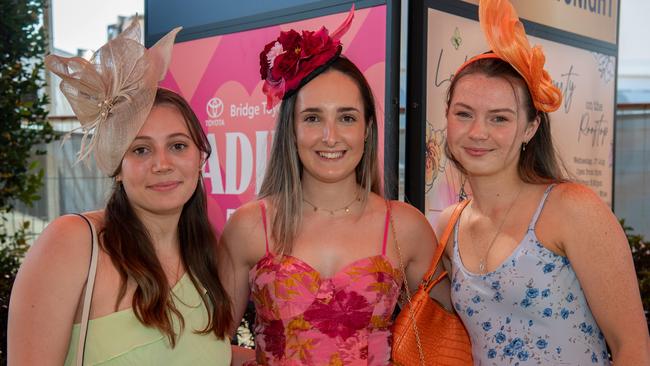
282,181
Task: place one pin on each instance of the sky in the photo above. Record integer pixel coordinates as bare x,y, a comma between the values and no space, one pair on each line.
633,44
83,23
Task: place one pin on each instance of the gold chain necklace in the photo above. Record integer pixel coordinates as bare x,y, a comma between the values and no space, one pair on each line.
345,208
482,264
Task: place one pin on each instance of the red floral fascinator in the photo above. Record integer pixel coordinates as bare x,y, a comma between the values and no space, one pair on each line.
506,37
112,94
293,59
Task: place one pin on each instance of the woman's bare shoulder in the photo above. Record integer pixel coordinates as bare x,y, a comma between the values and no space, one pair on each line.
247,217
62,251
571,199
410,223
244,232
69,236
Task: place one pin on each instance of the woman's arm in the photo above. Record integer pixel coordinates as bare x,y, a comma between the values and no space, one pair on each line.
599,252
46,293
241,245
241,355
418,243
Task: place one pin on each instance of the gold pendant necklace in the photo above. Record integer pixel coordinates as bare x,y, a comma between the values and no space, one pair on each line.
345,208
482,264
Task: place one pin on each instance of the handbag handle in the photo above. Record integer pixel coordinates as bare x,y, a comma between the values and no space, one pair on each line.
88,295
427,279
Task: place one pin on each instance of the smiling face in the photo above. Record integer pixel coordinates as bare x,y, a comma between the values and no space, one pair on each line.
487,123
160,170
330,127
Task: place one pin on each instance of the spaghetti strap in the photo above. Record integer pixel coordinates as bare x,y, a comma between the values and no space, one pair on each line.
383,245
266,235
533,221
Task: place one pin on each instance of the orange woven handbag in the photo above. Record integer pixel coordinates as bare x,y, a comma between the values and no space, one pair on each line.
424,333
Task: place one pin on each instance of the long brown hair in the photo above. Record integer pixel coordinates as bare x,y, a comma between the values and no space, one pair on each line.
282,180
129,245
539,162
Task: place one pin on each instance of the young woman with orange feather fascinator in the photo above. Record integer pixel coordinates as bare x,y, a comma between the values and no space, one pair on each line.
541,270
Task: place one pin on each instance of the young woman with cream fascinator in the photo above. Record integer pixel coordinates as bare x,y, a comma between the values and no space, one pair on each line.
135,283
316,252
541,270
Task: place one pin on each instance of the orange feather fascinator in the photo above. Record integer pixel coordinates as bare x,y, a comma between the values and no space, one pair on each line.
506,37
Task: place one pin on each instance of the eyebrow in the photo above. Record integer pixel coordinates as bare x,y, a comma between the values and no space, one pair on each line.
340,110
497,110
169,137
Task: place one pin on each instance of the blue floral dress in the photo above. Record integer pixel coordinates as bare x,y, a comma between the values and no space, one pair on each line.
531,310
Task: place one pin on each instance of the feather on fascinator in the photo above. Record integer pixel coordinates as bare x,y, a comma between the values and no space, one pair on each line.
113,93
506,36
293,59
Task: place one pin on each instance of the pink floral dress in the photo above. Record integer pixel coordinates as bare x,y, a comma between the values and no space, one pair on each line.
304,319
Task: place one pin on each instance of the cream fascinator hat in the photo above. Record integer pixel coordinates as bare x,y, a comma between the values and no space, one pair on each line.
112,94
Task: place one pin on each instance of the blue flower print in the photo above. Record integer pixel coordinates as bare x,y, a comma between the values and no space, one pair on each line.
565,261
508,351
594,358
496,285
564,313
469,311
457,286
457,306
530,322
587,329
541,343
500,338
546,293
532,293
498,297
525,303
570,297
558,350
487,326
547,312
476,299
508,320
522,355
517,343
549,267
492,353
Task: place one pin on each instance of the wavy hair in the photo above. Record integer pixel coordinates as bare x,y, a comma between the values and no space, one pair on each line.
128,244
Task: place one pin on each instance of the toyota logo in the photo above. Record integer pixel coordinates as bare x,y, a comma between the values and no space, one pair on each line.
214,108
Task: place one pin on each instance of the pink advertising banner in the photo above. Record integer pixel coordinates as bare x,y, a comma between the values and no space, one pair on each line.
220,78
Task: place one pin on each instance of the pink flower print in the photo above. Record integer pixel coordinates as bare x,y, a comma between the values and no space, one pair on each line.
354,349
342,316
274,338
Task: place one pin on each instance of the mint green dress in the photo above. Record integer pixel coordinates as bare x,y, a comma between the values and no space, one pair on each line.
120,339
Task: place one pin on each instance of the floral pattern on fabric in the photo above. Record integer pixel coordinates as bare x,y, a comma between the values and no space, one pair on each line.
531,310
304,319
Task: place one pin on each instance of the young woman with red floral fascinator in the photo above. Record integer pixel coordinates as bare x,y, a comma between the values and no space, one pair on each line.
541,270
316,252
135,283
